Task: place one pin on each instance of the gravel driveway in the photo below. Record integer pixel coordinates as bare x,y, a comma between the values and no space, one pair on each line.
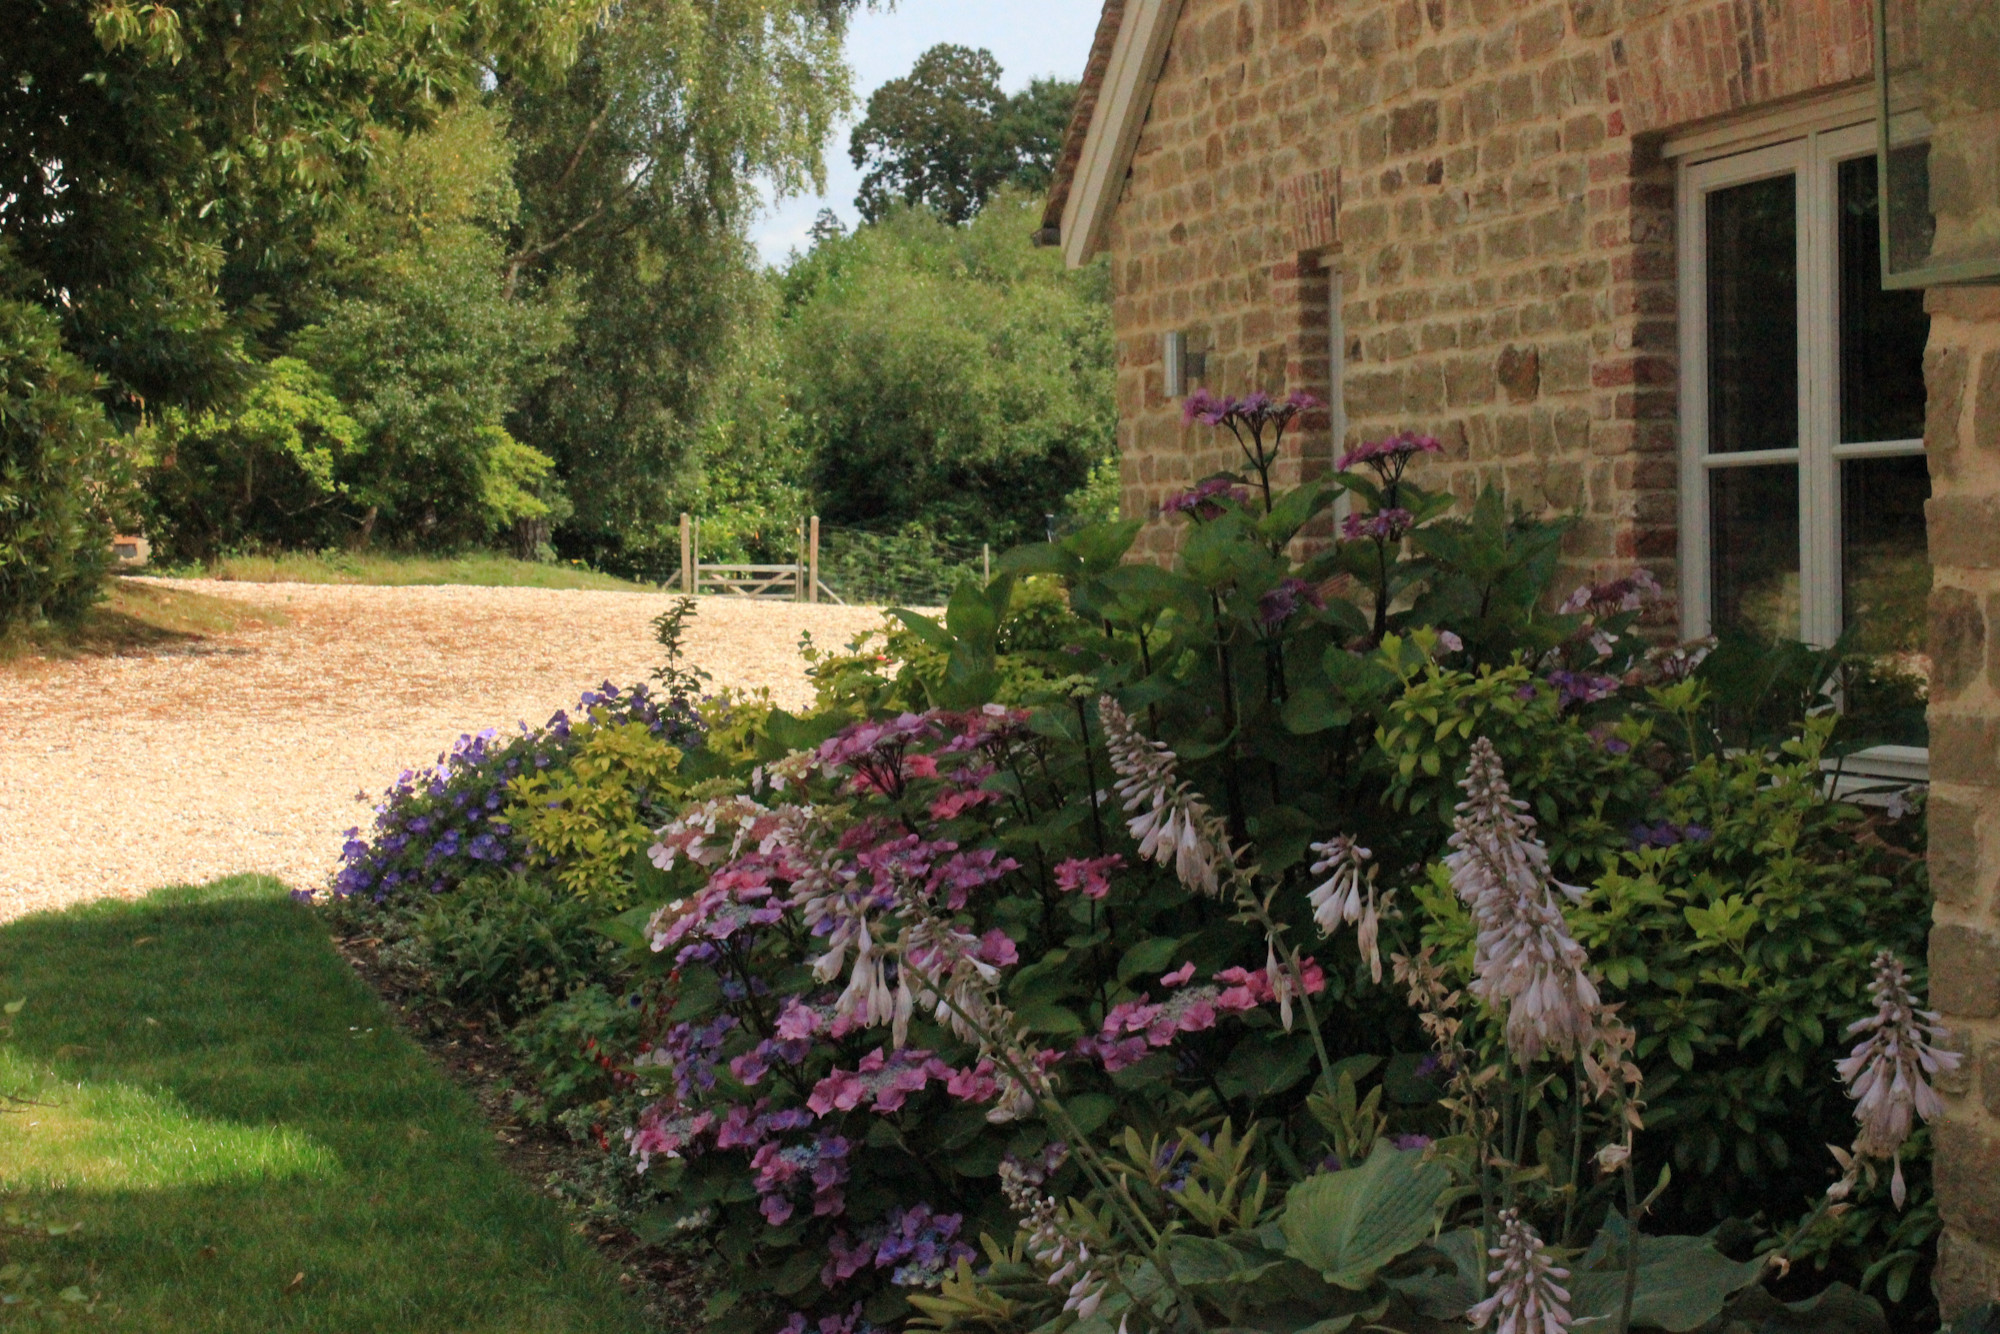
245,753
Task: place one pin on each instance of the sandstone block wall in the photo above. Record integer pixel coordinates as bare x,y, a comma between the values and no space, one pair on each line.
1962,442
1483,177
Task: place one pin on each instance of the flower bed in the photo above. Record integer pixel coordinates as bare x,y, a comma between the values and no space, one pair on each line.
1258,944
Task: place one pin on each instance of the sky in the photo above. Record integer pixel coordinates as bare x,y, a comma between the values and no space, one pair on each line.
1031,39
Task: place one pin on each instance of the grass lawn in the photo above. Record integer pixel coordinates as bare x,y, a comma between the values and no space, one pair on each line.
335,567
250,1145
136,614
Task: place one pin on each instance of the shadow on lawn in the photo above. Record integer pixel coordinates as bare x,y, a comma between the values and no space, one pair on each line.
252,1146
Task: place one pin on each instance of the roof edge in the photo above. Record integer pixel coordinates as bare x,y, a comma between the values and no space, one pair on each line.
1118,112
1080,116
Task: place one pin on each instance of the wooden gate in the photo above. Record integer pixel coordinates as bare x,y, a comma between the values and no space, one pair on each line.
798,581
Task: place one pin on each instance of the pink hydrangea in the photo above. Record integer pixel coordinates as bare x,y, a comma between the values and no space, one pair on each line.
1090,877
882,1080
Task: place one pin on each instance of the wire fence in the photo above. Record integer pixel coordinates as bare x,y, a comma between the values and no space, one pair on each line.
912,567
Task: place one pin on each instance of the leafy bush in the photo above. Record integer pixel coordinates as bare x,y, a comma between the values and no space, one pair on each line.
509,944
1164,993
577,1046
953,377
588,817
273,472
62,476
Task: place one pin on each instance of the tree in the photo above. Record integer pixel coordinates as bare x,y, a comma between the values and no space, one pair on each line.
638,177
956,377
1033,124
62,477
405,357
164,165
946,137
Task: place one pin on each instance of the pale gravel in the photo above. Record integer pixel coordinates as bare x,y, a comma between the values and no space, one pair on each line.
245,752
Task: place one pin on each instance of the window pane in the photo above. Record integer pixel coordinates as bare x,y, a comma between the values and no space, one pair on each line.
1753,533
1753,317
1881,333
1886,577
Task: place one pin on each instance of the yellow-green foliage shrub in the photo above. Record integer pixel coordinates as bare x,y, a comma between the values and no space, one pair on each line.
590,818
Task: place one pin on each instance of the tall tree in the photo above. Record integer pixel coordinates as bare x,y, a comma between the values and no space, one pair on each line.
405,357
639,173
945,136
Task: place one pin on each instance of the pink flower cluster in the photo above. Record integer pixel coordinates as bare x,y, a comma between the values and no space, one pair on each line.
851,1323
1393,452
1383,526
1206,500
1088,876
782,1171
1277,605
1254,410
1629,593
1132,1028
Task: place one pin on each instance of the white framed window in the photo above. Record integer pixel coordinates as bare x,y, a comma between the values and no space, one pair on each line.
1803,477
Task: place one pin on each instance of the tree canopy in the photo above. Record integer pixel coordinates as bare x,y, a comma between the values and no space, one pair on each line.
959,377
638,176
945,136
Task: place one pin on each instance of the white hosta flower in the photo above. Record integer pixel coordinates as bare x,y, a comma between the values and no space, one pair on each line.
1888,1073
869,999
1347,895
959,988
1051,1242
1526,1297
1280,978
1525,960
1169,820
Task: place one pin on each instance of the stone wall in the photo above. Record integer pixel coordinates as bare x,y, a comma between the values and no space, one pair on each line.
1962,440
1499,219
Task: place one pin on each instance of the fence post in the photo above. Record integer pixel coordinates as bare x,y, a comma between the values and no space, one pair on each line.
799,561
687,547
694,557
986,560
812,559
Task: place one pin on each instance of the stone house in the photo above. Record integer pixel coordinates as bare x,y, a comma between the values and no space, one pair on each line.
1624,258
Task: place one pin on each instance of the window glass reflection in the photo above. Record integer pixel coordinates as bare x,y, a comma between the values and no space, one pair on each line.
1753,317
1753,529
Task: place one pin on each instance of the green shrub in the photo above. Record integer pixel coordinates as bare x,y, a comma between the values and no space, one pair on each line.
577,1046
587,818
63,477
509,944
272,472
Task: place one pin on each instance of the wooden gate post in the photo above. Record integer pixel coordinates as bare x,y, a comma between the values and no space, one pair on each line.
687,568
812,559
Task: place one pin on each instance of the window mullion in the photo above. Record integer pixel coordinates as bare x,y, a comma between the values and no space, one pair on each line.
1819,403
1694,555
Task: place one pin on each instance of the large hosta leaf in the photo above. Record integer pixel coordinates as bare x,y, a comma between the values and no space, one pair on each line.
1348,1225
1683,1282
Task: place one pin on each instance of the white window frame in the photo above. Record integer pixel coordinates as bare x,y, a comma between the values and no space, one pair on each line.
1810,154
